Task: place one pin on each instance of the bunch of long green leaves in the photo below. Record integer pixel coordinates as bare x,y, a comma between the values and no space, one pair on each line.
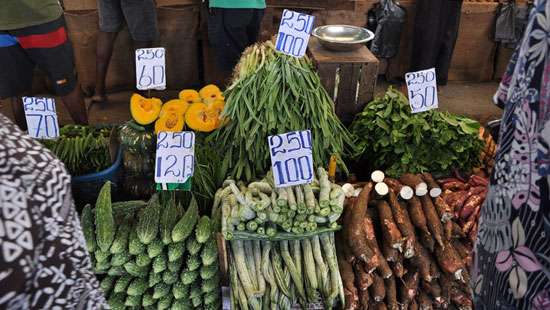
272,94
393,139
83,149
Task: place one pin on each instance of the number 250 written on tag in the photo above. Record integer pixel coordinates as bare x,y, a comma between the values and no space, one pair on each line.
175,157
422,90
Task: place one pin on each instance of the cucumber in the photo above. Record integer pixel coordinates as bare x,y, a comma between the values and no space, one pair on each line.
161,290
154,278
137,287
170,277
104,219
170,216
143,260
87,222
186,224
122,283
176,251
180,290
203,231
155,248
120,244
135,246
120,259
159,263
148,221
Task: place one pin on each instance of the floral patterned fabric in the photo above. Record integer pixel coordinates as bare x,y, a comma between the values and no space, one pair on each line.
43,259
512,265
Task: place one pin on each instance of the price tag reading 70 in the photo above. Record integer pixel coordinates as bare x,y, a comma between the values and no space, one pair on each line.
41,117
291,158
422,90
175,157
150,68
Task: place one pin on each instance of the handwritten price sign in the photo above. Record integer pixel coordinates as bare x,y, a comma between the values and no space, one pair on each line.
175,158
422,90
294,32
150,68
41,117
291,158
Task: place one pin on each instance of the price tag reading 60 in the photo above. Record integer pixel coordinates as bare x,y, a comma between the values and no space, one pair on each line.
422,90
175,157
291,158
150,68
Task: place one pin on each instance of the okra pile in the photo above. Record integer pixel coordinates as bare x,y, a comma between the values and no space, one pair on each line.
403,246
153,254
261,211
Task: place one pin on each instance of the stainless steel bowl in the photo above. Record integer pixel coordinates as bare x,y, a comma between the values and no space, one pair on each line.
342,37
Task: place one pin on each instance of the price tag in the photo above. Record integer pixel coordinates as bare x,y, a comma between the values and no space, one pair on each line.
294,32
291,158
422,90
175,157
150,68
41,117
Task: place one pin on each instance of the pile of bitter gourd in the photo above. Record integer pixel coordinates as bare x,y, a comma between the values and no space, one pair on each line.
153,254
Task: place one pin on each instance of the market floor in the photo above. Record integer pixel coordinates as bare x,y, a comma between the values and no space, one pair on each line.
470,99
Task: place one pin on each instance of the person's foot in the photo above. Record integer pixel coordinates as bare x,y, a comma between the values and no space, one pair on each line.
97,98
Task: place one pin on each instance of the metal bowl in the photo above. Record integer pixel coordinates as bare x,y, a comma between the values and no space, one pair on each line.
342,37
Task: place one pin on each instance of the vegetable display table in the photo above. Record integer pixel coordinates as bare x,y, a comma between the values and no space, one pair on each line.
348,77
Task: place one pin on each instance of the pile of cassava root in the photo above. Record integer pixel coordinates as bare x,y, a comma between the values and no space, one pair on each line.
401,246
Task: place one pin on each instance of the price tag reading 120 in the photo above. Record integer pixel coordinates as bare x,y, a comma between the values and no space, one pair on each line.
175,158
291,158
150,68
41,117
422,90
294,32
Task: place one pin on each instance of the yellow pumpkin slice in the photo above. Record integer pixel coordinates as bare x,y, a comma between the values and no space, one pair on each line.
177,106
170,122
198,118
214,110
210,93
190,96
144,110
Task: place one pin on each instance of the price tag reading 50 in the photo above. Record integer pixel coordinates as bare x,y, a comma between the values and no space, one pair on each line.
422,90
175,158
291,158
150,68
41,117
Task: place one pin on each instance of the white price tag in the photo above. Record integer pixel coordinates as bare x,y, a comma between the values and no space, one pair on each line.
175,157
294,32
41,117
422,90
150,68
291,158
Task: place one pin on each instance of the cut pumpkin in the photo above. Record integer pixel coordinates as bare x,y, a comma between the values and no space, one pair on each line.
169,122
144,110
177,106
215,110
190,96
198,117
210,93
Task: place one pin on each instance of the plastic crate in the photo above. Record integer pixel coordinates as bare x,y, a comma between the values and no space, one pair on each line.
86,187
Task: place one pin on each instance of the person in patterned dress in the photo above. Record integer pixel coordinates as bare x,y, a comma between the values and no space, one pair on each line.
44,263
512,253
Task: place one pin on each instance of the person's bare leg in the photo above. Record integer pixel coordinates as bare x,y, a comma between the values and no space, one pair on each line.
19,112
104,51
74,102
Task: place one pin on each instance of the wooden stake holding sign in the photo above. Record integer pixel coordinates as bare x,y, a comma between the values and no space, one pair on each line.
41,116
291,158
294,32
150,68
422,90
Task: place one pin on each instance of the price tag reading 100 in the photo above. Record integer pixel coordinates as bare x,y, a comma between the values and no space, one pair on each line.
175,157
422,90
291,158
41,117
294,32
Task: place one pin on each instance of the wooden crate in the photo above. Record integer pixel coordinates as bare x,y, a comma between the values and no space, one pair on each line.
348,77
